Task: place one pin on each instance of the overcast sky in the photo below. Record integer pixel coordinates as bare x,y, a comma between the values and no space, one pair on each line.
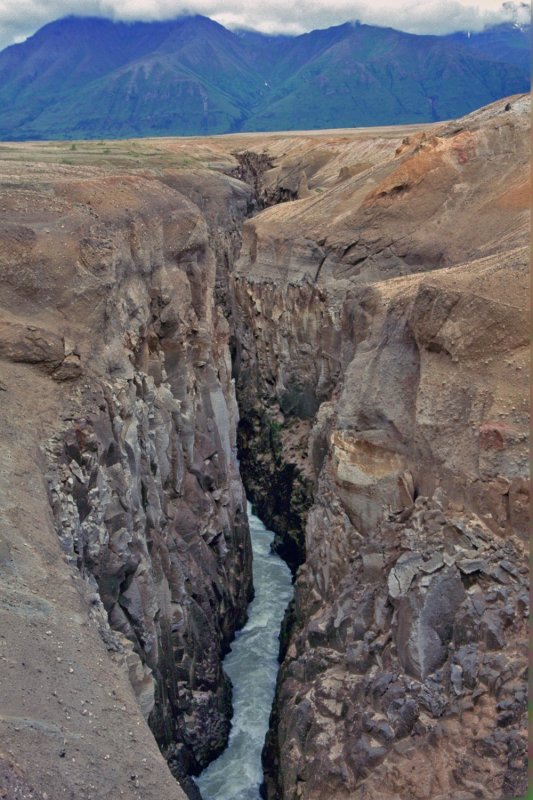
21,18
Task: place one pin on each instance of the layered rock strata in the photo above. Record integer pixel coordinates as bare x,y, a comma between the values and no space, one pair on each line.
384,324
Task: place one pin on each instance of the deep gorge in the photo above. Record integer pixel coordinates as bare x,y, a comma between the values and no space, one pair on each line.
351,349
124,510
252,666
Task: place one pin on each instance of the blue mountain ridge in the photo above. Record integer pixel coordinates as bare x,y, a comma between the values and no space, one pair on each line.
87,77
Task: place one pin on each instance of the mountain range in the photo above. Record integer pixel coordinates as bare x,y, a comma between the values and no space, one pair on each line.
87,77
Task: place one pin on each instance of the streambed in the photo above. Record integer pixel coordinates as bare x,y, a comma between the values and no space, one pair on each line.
252,666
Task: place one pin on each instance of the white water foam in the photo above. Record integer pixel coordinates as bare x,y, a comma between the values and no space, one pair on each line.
252,666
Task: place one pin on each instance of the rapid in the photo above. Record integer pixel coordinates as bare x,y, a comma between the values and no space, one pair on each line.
252,666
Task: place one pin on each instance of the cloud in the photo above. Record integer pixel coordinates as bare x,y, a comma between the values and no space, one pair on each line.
22,18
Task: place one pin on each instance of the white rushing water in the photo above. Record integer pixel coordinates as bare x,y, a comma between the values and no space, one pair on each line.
252,666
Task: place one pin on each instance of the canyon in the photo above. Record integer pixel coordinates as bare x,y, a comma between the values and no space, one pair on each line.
333,324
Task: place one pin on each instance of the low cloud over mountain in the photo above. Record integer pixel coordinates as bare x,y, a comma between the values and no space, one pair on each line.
19,20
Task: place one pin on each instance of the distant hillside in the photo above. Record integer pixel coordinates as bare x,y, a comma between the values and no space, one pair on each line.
93,78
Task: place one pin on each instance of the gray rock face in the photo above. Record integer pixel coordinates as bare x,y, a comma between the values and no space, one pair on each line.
167,544
140,460
373,681
425,623
149,504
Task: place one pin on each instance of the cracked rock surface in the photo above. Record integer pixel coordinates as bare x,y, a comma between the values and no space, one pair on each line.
384,324
125,543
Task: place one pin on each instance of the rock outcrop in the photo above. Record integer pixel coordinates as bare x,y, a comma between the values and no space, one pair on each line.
109,286
385,329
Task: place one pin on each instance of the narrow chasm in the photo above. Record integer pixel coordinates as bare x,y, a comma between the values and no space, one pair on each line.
149,497
252,666
278,404
271,441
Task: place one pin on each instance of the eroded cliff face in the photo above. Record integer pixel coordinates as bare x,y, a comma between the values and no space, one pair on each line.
384,338
109,308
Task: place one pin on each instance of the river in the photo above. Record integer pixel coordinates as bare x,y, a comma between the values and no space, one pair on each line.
252,666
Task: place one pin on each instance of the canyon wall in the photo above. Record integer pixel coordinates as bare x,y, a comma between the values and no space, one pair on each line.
117,389
384,363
